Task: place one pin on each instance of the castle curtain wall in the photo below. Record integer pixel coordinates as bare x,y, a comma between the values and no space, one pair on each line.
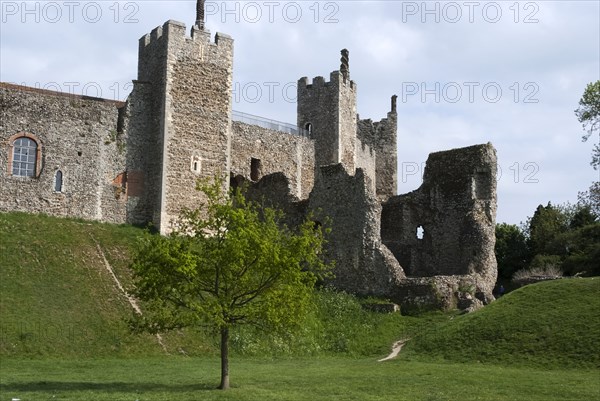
78,137
292,155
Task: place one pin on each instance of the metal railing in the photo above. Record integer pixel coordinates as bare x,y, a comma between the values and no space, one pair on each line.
269,124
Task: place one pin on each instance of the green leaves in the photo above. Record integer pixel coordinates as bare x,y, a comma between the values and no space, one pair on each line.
230,262
588,113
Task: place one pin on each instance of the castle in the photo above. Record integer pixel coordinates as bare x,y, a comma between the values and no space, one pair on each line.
138,161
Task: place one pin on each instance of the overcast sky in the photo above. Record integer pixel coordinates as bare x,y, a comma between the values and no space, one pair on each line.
506,72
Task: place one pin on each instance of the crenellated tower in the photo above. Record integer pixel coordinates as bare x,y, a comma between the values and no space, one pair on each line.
328,111
381,136
180,112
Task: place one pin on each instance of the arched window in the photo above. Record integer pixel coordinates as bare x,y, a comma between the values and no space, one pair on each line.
58,178
24,157
308,128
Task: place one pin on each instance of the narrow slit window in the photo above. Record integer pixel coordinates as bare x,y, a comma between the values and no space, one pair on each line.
255,169
308,128
420,232
58,181
196,164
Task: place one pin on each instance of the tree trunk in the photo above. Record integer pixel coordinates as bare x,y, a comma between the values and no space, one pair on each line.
224,359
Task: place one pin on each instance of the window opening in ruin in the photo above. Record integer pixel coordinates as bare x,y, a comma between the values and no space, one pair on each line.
79,153
255,169
196,164
24,157
308,128
420,232
58,178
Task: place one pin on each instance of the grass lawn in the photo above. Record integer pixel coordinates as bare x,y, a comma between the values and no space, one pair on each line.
180,378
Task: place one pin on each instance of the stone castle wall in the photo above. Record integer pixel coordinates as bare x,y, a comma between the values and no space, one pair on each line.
139,162
456,209
195,115
366,160
380,136
78,136
317,109
330,109
273,151
363,264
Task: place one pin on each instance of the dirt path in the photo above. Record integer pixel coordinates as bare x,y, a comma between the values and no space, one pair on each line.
395,350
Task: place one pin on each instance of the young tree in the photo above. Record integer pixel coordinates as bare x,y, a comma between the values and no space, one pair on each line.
588,113
230,262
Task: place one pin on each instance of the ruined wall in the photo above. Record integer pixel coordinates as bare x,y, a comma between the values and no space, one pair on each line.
276,152
366,160
330,109
381,137
78,136
363,264
456,208
273,190
192,78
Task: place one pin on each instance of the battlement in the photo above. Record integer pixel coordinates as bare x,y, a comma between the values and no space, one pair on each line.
168,43
335,79
175,30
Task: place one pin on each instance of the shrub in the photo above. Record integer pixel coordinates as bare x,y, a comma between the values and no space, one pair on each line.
535,272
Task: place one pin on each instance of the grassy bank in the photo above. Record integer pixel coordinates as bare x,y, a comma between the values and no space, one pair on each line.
549,324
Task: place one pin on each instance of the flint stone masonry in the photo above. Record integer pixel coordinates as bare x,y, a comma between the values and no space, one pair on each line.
292,155
456,207
330,108
380,137
138,162
364,265
78,137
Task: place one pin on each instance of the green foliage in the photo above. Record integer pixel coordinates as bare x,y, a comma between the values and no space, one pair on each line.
339,325
541,261
565,237
548,324
591,199
512,252
588,113
236,265
543,228
584,250
230,262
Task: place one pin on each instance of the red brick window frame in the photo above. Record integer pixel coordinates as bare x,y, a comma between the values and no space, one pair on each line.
38,153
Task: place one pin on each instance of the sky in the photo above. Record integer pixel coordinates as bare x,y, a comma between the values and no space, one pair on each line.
465,72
